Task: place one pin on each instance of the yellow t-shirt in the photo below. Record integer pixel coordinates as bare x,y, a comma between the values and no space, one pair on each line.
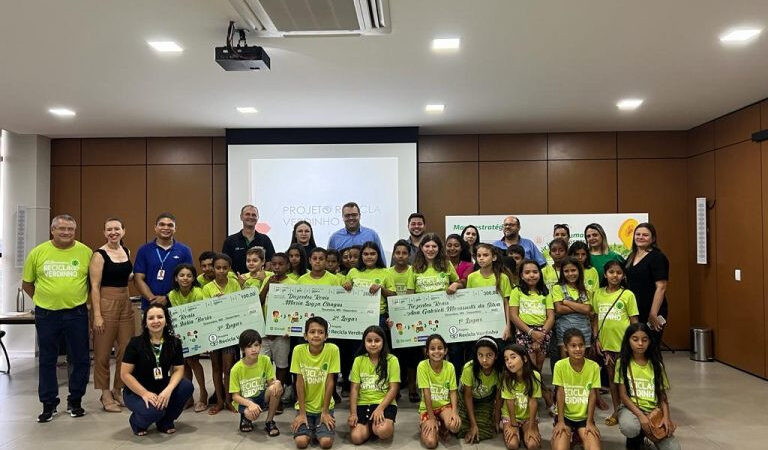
533,307
644,378
576,386
400,279
202,281
380,276
315,370
213,289
431,280
253,282
558,295
517,393
177,298
372,392
328,279
487,385
591,279
614,321
440,384
550,275
60,276
476,279
250,381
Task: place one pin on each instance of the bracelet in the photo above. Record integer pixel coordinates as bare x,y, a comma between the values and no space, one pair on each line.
530,331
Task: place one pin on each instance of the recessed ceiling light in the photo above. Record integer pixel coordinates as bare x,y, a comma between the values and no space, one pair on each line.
435,108
62,112
247,110
165,46
740,34
628,104
446,44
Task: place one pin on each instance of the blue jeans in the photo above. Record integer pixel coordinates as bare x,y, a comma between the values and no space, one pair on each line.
143,417
53,326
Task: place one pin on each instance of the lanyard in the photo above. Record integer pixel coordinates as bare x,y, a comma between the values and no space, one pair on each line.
162,260
157,349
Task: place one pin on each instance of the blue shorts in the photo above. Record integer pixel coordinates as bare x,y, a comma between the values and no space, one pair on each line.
316,428
259,400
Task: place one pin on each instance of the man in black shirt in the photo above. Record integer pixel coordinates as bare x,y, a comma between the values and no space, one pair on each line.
237,245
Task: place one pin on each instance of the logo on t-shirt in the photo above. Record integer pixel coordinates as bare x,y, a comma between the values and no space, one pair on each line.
251,387
75,262
576,395
370,382
431,284
534,306
613,314
439,392
314,375
58,269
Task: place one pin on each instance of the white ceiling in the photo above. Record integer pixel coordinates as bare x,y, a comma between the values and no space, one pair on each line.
556,65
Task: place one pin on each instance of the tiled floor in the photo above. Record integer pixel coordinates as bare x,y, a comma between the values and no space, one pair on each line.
715,406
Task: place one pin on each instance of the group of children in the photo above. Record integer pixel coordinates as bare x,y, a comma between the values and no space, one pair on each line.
500,383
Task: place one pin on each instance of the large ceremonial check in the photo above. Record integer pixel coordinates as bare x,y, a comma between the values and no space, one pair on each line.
348,313
217,322
464,316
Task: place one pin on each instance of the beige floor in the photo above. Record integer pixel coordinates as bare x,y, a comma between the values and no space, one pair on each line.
715,406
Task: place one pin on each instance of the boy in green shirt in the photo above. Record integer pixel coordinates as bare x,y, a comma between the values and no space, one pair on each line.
315,365
253,385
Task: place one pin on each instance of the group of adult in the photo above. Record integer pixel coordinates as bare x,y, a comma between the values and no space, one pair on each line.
61,273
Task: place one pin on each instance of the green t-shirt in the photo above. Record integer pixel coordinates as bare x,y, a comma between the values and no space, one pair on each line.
521,400
617,320
364,373
293,276
202,281
253,282
550,275
328,279
400,279
177,298
380,276
60,276
439,384
431,280
533,307
558,295
591,279
250,381
576,386
476,279
645,397
487,385
599,261
315,369
213,289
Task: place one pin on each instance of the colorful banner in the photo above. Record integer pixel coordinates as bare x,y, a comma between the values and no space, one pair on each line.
348,313
464,316
217,322
619,228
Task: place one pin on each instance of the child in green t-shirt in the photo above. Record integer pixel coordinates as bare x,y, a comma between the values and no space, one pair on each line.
578,380
253,385
186,290
206,267
480,403
254,262
580,251
558,250
491,273
643,386
375,378
297,260
532,312
350,256
315,364
432,270
373,274
520,389
317,274
332,261
439,399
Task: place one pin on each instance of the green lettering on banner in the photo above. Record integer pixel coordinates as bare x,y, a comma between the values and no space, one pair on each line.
464,316
348,313
217,322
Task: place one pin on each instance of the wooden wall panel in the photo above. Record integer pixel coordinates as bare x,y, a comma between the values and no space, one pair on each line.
581,146
459,147
65,152
219,206
701,139
219,150
741,308
447,189
101,200
737,126
651,144
518,187
512,147
180,150
658,186
703,278
764,161
576,187
185,191
114,152
65,193
764,115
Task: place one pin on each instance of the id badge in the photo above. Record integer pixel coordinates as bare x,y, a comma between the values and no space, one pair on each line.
158,373
160,274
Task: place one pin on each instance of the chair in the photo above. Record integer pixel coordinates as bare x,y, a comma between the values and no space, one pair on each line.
5,351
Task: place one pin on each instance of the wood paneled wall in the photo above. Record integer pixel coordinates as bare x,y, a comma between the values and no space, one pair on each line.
563,173
731,171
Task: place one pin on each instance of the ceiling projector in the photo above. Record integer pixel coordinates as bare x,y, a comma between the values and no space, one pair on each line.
242,58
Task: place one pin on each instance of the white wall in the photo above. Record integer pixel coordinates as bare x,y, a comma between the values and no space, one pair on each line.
26,180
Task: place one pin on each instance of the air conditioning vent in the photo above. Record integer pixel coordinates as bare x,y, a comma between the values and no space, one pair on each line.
283,18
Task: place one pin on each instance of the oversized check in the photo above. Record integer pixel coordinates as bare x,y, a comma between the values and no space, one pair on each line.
464,316
217,322
348,313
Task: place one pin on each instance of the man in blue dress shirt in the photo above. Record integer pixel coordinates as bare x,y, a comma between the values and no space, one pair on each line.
353,233
511,228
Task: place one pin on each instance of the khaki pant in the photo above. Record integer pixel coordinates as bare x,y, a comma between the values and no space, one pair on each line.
117,312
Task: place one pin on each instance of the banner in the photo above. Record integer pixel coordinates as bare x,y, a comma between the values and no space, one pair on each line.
464,316
217,322
348,313
619,228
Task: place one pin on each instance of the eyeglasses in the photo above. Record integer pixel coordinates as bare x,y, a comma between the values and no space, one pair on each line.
507,225
351,216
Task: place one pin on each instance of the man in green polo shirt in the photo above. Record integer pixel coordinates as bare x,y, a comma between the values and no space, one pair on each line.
56,277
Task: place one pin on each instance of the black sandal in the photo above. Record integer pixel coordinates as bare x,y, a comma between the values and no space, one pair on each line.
271,428
246,426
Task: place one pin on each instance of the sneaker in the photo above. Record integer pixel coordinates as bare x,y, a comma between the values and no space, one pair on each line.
49,411
75,409
287,395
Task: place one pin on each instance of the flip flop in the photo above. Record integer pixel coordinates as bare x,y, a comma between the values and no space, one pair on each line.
200,407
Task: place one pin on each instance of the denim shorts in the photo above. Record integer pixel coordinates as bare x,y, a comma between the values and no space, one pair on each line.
316,427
